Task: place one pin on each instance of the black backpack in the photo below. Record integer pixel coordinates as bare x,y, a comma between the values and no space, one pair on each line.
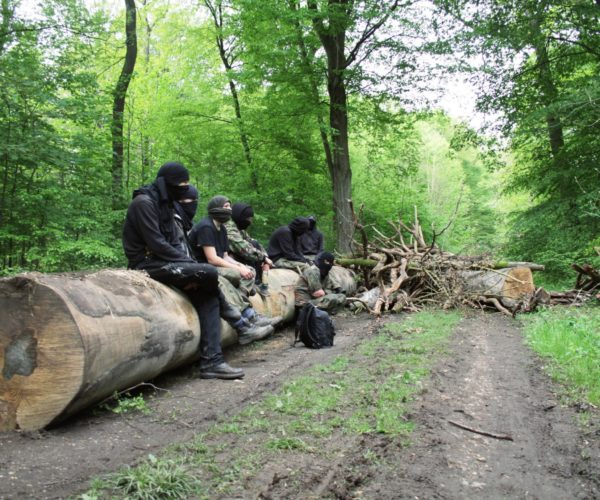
314,327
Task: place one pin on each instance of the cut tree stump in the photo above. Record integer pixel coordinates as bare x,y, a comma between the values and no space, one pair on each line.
70,340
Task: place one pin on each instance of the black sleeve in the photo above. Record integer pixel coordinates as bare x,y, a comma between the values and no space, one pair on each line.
320,242
289,248
145,218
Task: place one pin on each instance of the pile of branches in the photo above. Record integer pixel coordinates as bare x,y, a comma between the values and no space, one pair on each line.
587,285
404,272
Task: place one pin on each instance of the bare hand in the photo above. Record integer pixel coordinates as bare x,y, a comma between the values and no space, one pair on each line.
246,272
318,293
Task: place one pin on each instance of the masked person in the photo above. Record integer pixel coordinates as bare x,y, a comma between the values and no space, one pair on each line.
246,249
311,242
315,286
210,243
284,248
155,243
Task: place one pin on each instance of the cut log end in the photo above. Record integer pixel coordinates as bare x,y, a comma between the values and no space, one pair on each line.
41,355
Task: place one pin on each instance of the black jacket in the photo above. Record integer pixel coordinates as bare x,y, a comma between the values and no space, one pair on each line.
284,244
150,231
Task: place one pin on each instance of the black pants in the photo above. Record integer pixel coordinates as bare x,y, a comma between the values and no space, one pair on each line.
204,297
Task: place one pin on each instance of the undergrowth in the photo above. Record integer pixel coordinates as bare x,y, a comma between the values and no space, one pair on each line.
569,339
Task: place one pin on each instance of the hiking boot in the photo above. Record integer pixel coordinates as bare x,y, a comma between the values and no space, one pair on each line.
250,333
222,371
258,319
227,311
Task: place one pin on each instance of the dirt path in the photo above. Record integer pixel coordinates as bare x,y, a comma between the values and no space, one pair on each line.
488,381
491,382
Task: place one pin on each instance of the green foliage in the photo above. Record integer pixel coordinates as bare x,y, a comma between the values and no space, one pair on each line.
570,340
541,75
127,403
155,478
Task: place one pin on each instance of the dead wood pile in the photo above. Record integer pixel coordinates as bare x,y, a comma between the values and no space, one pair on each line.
403,272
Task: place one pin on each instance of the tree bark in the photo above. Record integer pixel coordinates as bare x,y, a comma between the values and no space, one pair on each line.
227,58
70,340
548,90
119,95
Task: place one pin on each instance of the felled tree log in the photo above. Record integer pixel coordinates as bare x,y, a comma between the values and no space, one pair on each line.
69,340
507,285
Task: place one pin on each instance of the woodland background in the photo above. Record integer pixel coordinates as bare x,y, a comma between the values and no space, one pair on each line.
294,106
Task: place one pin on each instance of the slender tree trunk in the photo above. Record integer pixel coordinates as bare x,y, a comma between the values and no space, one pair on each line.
119,95
144,139
8,11
548,90
314,89
216,11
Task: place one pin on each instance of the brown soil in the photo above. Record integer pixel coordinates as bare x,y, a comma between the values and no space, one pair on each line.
487,382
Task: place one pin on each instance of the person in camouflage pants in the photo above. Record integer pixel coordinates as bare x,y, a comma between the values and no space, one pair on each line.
284,248
244,248
315,286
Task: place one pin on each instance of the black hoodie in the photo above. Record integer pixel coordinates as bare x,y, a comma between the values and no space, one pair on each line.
284,241
150,231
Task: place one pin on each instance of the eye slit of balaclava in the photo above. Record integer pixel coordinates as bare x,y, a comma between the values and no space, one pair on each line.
217,210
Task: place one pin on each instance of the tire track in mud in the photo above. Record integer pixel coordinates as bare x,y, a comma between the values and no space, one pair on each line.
491,381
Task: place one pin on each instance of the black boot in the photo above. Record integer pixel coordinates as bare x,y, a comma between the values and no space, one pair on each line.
227,311
222,371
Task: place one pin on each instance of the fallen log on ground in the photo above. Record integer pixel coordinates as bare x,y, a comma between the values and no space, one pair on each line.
69,340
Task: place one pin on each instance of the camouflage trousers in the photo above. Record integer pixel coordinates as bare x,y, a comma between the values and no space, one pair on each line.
235,288
294,265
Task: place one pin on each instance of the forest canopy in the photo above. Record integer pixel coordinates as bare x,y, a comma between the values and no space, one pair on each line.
297,106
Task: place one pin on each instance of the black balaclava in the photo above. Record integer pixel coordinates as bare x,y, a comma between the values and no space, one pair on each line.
312,220
299,226
216,210
190,207
174,174
241,214
324,262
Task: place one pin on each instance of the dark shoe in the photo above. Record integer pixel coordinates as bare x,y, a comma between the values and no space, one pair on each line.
222,371
250,333
227,311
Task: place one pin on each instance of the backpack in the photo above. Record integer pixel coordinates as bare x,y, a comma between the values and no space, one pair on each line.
314,327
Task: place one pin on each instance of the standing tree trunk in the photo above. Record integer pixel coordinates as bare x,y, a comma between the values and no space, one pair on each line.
307,63
331,24
548,90
119,103
228,57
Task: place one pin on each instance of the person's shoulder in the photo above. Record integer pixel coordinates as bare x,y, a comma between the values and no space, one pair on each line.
142,200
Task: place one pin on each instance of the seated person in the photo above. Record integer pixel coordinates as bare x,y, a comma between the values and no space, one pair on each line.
315,286
246,249
208,239
311,242
153,242
284,248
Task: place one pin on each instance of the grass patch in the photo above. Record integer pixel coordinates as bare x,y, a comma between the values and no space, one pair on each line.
367,391
570,340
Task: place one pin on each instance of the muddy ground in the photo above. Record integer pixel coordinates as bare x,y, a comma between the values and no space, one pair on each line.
488,382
